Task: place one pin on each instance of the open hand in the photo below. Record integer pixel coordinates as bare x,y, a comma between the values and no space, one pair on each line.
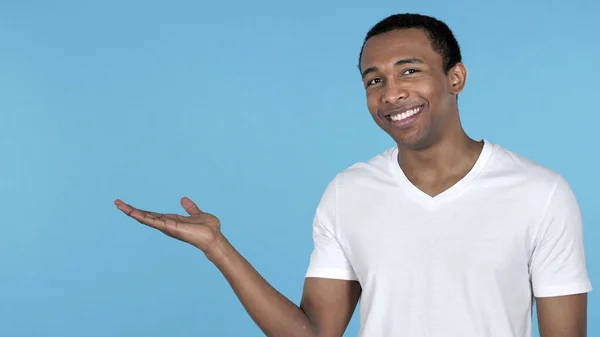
199,229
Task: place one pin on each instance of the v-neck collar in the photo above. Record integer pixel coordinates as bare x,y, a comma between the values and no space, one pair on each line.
425,199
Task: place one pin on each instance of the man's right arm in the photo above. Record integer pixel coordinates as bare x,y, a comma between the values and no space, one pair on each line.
331,291
330,304
326,308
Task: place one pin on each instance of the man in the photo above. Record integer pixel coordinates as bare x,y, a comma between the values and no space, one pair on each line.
440,236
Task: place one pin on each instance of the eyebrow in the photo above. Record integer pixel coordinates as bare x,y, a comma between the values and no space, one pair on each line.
398,63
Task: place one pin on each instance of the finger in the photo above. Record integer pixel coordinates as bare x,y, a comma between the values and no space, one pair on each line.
130,210
156,220
190,207
135,213
122,206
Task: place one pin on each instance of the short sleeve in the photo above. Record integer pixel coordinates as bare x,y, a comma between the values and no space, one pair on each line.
328,259
558,265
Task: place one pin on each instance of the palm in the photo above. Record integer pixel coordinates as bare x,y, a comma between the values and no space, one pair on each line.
199,228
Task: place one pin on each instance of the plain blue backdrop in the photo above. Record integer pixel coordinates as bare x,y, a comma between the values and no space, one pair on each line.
249,108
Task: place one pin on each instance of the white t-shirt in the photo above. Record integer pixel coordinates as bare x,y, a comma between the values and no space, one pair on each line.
465,263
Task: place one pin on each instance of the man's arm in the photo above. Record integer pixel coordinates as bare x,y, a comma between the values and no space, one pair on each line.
558,267
330,304
327,303
562,316
325,311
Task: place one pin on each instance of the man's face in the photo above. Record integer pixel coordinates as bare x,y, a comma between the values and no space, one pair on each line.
408,93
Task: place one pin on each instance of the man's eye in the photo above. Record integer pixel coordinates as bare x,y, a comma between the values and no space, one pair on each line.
410,71
374,81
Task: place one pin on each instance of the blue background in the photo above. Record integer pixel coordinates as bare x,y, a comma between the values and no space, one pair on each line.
249,108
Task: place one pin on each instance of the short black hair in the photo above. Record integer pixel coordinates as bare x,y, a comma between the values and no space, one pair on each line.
442,39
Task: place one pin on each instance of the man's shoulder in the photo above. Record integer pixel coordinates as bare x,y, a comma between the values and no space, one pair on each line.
376,168
358,179
514,168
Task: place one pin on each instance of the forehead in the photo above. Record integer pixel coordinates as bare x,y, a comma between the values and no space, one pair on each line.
387,48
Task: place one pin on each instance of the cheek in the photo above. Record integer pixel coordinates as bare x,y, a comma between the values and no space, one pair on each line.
438,95
426,87
373,102
437,89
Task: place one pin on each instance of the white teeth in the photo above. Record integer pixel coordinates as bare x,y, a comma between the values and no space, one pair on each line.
404,115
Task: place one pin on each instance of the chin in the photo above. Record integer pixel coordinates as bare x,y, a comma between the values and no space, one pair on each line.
413,140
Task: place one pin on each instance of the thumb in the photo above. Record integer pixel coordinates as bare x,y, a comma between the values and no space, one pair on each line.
190,206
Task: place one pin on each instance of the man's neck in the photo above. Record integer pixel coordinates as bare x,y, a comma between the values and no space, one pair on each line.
441,165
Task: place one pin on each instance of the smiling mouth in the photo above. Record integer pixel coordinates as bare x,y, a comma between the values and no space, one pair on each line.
402,115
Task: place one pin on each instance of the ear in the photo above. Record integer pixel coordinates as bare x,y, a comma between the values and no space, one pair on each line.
457,78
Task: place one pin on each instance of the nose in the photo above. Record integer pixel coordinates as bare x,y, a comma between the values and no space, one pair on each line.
394,92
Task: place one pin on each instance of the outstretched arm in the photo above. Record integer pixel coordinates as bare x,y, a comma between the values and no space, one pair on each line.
325,311
327,304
